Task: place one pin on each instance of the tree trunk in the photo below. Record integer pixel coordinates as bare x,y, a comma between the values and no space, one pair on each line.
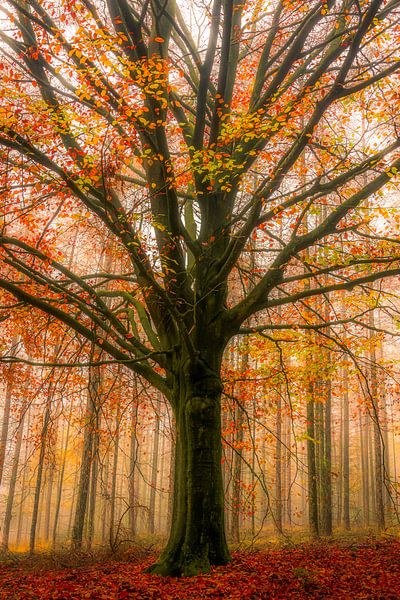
114,478
38,487
377,437
371,463
385,435
172,468
6,413
132,469
13,482
288,463
394,461
364,467
60,485
238,461
50,481
326,470
278,464
93,484
105,495
345,457
253,472
197,539
312,466
154,471
160,508
23,483
87,455
4,426
237,475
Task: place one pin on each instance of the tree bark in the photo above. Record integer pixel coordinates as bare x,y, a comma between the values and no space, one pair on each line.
237,475
288,463
312,466
197,539
60,485
238,462
93,483
87,456
38,487
377,436
278,464
23,483
154,470
5,425
132,470
345,456
51,470
13,482
6,414
114,477
326,463
364,467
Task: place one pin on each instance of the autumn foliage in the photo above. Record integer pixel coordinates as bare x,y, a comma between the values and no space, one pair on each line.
356,570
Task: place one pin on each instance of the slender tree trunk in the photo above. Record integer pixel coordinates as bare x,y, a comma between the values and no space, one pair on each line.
87,457
371,466
38,487
339,487
345,455
5,425
364,467
319,445
326,462
93,482
50,481
288,469
378,462
106,498
23,484
312,466
278,464
238,461
6,413
13,482
237,475
388,489
394,459
386,452
60,486
154,470
160,508
132,472
377,437
264,507
114,477
253,472
73,503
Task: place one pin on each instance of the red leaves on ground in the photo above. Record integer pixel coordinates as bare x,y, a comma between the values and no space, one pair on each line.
323,571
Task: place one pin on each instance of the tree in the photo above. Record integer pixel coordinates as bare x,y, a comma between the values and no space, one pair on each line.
113,120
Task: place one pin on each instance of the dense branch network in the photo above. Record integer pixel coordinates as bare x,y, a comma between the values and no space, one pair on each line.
273,136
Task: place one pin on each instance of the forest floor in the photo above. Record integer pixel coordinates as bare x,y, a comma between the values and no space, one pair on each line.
347,569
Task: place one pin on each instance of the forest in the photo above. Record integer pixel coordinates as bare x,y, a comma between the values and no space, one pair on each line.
199,299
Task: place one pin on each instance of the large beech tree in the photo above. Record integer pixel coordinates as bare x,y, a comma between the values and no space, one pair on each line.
192,138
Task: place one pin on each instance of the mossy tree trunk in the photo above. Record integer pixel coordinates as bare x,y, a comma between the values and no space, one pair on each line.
197,538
